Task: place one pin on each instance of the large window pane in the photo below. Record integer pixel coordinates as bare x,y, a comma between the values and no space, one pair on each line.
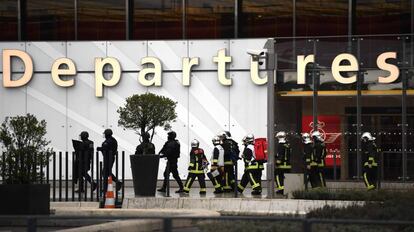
209,19
50,20
8,20
382,17
158,19
266,18
321,17
101,20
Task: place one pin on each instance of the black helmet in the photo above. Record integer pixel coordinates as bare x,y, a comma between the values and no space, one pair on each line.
84,135
172,135
228,134
108,132
146,136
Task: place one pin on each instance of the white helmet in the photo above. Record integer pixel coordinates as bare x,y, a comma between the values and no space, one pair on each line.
306,138
281,136
249,139
216,140
222,135
366,136
195,143
316,135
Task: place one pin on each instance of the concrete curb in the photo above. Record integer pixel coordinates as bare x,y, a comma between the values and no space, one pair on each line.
237,206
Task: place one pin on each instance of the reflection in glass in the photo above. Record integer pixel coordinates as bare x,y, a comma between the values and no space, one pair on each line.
265,18
208,19
101,20
382,17
321,17
50,20
8,20
157,19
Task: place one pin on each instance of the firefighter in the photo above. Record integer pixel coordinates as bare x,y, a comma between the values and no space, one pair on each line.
310,161
109,151
84,155
231,156
198,162
370,160
251,167
282,160
217,165
171,151
319,150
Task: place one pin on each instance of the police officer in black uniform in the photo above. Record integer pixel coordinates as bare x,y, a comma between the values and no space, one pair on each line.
84,154
146,147
109,151
171,151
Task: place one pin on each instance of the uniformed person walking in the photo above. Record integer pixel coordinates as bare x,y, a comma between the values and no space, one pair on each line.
171,151
198,162
319,149
231,156
217,165
84,154
370,160
252,172
282,161
109,151
310,161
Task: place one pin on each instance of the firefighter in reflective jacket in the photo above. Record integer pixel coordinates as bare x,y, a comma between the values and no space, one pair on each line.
217,165
310,161
370,159
231,156
251,167
198,162
319,150
282,159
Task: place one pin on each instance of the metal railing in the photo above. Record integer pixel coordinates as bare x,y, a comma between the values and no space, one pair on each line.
60,173
303,224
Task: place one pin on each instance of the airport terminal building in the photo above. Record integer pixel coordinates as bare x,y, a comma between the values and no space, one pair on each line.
343,67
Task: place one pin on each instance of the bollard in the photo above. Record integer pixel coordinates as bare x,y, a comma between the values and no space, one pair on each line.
167,191
66,176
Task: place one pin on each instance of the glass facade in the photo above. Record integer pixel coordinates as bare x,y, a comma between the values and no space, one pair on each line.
101,20
342,112
158,19
50,20
8,20
201,19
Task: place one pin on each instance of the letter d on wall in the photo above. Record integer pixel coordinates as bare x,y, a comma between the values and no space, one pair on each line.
28,68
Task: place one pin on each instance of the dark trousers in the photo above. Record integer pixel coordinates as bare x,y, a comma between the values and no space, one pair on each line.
280,179
108,163
313,177
370,176
190,180
251,176
87,177
228,177
217,181
172,167
321,174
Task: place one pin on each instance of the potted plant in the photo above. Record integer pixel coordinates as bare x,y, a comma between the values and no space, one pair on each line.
25,152
143,113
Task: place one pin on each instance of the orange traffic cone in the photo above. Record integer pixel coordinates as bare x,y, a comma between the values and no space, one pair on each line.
109,196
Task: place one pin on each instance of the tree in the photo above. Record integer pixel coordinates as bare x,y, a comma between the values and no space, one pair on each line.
26,149
143,113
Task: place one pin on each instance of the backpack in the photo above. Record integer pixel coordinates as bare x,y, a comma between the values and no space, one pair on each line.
260,149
